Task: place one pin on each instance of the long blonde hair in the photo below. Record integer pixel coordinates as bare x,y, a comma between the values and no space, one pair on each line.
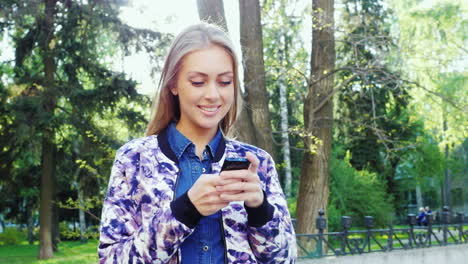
165,107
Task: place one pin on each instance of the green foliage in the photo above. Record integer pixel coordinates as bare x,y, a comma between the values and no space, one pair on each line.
95,109
68,234
356,193
374,121
286,63
431,41
292,204
11,236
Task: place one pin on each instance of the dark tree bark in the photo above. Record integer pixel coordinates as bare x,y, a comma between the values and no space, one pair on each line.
30,224
318,117
55,224
45,211
254,74
212,11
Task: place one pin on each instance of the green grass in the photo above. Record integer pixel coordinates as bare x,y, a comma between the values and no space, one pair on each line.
70,252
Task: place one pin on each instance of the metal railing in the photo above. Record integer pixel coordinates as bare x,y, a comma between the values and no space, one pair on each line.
351,242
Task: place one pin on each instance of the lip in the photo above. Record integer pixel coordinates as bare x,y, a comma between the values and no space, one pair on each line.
209,110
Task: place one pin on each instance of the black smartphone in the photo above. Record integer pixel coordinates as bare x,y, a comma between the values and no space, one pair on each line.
235,164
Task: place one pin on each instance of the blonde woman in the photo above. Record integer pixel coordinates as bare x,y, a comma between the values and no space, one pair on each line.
168,200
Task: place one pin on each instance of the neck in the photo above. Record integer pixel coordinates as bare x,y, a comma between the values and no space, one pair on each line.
199,137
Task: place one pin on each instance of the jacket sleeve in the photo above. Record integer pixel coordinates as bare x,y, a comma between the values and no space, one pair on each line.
275,241
137,226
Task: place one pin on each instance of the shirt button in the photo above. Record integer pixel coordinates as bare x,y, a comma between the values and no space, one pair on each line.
205,248
204,170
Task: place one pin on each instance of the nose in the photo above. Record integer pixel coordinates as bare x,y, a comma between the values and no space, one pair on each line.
211,92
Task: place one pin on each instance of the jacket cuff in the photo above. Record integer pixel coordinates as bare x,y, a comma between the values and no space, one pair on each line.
184,211
261,215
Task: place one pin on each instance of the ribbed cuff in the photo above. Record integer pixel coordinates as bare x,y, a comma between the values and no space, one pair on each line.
259,216
184,211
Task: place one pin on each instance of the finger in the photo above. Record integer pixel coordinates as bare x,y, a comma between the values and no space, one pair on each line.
210,179
227,181
236,197
213,198
239,186
254,162
233,192
234,175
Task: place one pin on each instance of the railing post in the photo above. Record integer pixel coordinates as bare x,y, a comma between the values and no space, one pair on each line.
346,223
369,223
429,229
390,238
411,223
461,221
445,222
321,224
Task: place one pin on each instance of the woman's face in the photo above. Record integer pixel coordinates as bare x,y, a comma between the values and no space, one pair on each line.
205,86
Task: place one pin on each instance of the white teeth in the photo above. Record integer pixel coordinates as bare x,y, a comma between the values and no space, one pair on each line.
209,109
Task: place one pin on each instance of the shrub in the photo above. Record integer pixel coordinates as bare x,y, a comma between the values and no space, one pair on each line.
92,232
12,236
67,233
357,194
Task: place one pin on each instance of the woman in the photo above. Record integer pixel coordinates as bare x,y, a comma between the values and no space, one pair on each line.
168,201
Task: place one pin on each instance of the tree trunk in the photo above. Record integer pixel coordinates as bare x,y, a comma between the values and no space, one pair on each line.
447,185
254,73
47,169
30,225
55,225
81,213
244,128
314,179
212,11
419,198
2,224
285,137
45,211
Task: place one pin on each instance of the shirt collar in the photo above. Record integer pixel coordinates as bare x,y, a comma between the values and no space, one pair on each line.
179,143
177,140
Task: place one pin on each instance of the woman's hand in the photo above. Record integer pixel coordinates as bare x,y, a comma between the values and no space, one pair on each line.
242,185
204,196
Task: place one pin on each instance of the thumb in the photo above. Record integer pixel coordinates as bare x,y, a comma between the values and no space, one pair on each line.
254,162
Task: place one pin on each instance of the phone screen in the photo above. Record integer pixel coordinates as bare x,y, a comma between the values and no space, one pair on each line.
235,164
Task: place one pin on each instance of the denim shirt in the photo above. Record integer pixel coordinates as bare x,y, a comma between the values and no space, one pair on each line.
205,244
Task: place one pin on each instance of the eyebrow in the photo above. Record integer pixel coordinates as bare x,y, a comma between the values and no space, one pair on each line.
204,74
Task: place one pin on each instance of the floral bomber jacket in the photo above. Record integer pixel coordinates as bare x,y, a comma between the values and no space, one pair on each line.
139,226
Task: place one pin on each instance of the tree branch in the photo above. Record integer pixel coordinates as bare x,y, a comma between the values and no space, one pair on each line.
336,89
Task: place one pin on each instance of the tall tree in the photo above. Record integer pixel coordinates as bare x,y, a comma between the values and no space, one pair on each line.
376,100
48,148
318,119
255,95
285,64
431,40
60,78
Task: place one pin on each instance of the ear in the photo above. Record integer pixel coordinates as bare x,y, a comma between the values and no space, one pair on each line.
174,90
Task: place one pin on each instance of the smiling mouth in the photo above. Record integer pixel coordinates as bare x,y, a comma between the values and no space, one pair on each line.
209,109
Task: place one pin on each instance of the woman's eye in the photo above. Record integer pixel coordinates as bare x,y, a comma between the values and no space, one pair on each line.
197,83
225,83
